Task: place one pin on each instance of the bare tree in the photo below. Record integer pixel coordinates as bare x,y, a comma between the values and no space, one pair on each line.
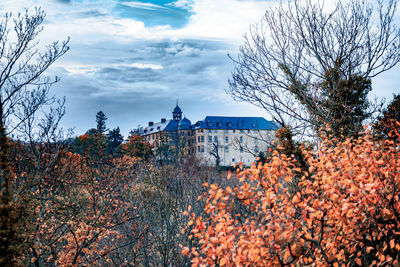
24,90
262,139
309,65
214,151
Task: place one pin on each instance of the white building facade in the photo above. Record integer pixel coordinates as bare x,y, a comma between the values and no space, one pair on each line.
231,140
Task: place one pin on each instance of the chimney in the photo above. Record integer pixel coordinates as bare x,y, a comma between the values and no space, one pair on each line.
151,123
163,120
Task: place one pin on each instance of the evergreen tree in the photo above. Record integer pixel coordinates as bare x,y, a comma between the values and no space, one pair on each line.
115,139
101,122
389,120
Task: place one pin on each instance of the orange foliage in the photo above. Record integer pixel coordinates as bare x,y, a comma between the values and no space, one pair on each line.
345,210
79,210
137,147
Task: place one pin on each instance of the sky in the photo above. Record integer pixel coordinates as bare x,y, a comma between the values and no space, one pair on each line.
134,59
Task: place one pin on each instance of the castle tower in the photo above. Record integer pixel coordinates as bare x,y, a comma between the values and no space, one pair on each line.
177,113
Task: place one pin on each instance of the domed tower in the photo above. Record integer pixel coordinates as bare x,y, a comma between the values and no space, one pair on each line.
177,113
184,124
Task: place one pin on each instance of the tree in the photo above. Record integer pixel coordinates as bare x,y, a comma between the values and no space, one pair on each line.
310,66
344,212
92,144
115,139
101,122
137,147
24,90
214,151
387,121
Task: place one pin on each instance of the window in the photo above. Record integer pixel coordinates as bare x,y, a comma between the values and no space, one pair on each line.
202,148
248,131
241,139
233,131
256,149
241,149
209,130
226,149
198,148
216,139
215,131
202,130
198,139
209,138
233,159
226,139
202,138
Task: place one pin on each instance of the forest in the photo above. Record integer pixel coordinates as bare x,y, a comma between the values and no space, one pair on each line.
326,193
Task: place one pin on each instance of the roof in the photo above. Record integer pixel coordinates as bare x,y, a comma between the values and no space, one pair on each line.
177,109
172,126
156,127
236,123
185,124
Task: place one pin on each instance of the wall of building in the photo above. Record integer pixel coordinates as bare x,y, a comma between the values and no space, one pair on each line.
234,146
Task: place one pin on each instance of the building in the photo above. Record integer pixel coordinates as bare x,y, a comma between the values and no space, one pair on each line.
216,139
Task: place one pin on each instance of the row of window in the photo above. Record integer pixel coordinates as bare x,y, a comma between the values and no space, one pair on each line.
200,139
226,131
226,149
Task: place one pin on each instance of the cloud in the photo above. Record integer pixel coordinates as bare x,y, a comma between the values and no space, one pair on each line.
184,4
223,19
93,68
143,5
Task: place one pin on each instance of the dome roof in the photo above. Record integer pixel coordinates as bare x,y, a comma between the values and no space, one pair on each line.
184,124
177,109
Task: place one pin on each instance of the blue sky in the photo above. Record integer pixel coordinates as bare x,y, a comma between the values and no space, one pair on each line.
133,59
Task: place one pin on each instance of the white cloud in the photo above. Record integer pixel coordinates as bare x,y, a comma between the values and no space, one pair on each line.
223,19
88,69
143,5
184,4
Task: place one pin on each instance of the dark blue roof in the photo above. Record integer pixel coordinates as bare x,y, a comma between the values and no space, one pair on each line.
236,123
177,109
185,124
172,126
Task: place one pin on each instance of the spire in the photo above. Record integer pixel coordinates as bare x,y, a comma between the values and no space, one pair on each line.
177,113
